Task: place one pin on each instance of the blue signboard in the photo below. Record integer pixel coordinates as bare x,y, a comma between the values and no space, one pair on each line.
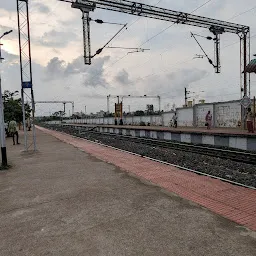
27,85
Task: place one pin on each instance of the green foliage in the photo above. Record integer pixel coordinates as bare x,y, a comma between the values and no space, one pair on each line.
13,107
139,113
59,114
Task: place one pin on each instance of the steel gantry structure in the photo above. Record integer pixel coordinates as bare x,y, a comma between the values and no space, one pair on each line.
217,27
59,102
132,97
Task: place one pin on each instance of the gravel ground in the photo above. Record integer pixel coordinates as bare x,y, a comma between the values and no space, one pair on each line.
228,169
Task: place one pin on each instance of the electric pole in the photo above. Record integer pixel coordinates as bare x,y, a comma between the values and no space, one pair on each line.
2,126
186,97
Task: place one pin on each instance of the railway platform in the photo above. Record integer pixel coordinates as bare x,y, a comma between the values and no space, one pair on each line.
228,138
190,130
75,197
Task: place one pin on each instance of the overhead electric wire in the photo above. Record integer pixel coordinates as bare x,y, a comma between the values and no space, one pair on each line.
175,64
241,13
254,36
106,22
172,24
221,48
199,7
105,45
139,18
128,48
162,31
158,34
206,55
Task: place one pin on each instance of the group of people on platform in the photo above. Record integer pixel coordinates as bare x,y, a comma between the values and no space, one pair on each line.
249,118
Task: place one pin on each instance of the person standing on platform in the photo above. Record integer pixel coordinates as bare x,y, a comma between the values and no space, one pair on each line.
29,124
249,120
208,120
13,131
175,120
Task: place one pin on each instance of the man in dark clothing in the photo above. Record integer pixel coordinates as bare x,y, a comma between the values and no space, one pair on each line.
175,120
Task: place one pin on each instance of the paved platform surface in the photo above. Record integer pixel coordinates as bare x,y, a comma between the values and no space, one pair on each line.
233,202
63,201
214,131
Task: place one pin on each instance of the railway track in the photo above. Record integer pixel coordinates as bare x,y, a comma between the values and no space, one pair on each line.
236,172
237,156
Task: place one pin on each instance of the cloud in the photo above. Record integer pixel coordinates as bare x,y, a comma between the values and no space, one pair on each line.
9,6
55,68
58,39
92,76
122,77
172,85
9,59
42,8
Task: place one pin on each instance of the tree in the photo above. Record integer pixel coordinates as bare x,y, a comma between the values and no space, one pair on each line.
139,113
13,107
60,114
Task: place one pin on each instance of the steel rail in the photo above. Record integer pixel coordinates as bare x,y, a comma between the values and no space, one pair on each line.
237,156
169,164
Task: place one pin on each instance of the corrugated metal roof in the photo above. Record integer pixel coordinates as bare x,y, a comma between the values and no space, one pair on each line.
251,67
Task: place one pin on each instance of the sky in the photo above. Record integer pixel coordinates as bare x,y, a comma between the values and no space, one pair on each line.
165,69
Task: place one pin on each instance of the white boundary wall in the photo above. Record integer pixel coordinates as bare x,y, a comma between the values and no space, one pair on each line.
225,114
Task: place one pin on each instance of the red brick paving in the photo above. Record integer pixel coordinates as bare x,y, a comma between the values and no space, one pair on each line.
233,202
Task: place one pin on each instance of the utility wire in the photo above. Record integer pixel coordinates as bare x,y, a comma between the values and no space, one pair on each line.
199,7
112,38
254,36
175,64
106,22
241,13
210,61
157,34
128,48
162,31
139,18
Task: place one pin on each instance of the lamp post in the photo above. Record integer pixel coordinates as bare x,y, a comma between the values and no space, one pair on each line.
2,126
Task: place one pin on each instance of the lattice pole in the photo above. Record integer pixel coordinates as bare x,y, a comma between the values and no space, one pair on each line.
245,77
87,39
86,9
25,66
244,61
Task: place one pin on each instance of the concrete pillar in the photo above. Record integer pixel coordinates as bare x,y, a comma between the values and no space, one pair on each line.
214,116
194,116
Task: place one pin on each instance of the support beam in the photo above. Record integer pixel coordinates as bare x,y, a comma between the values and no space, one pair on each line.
217,53
108,104
87,39
64,108
58,102
159,13
244,61
86,9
